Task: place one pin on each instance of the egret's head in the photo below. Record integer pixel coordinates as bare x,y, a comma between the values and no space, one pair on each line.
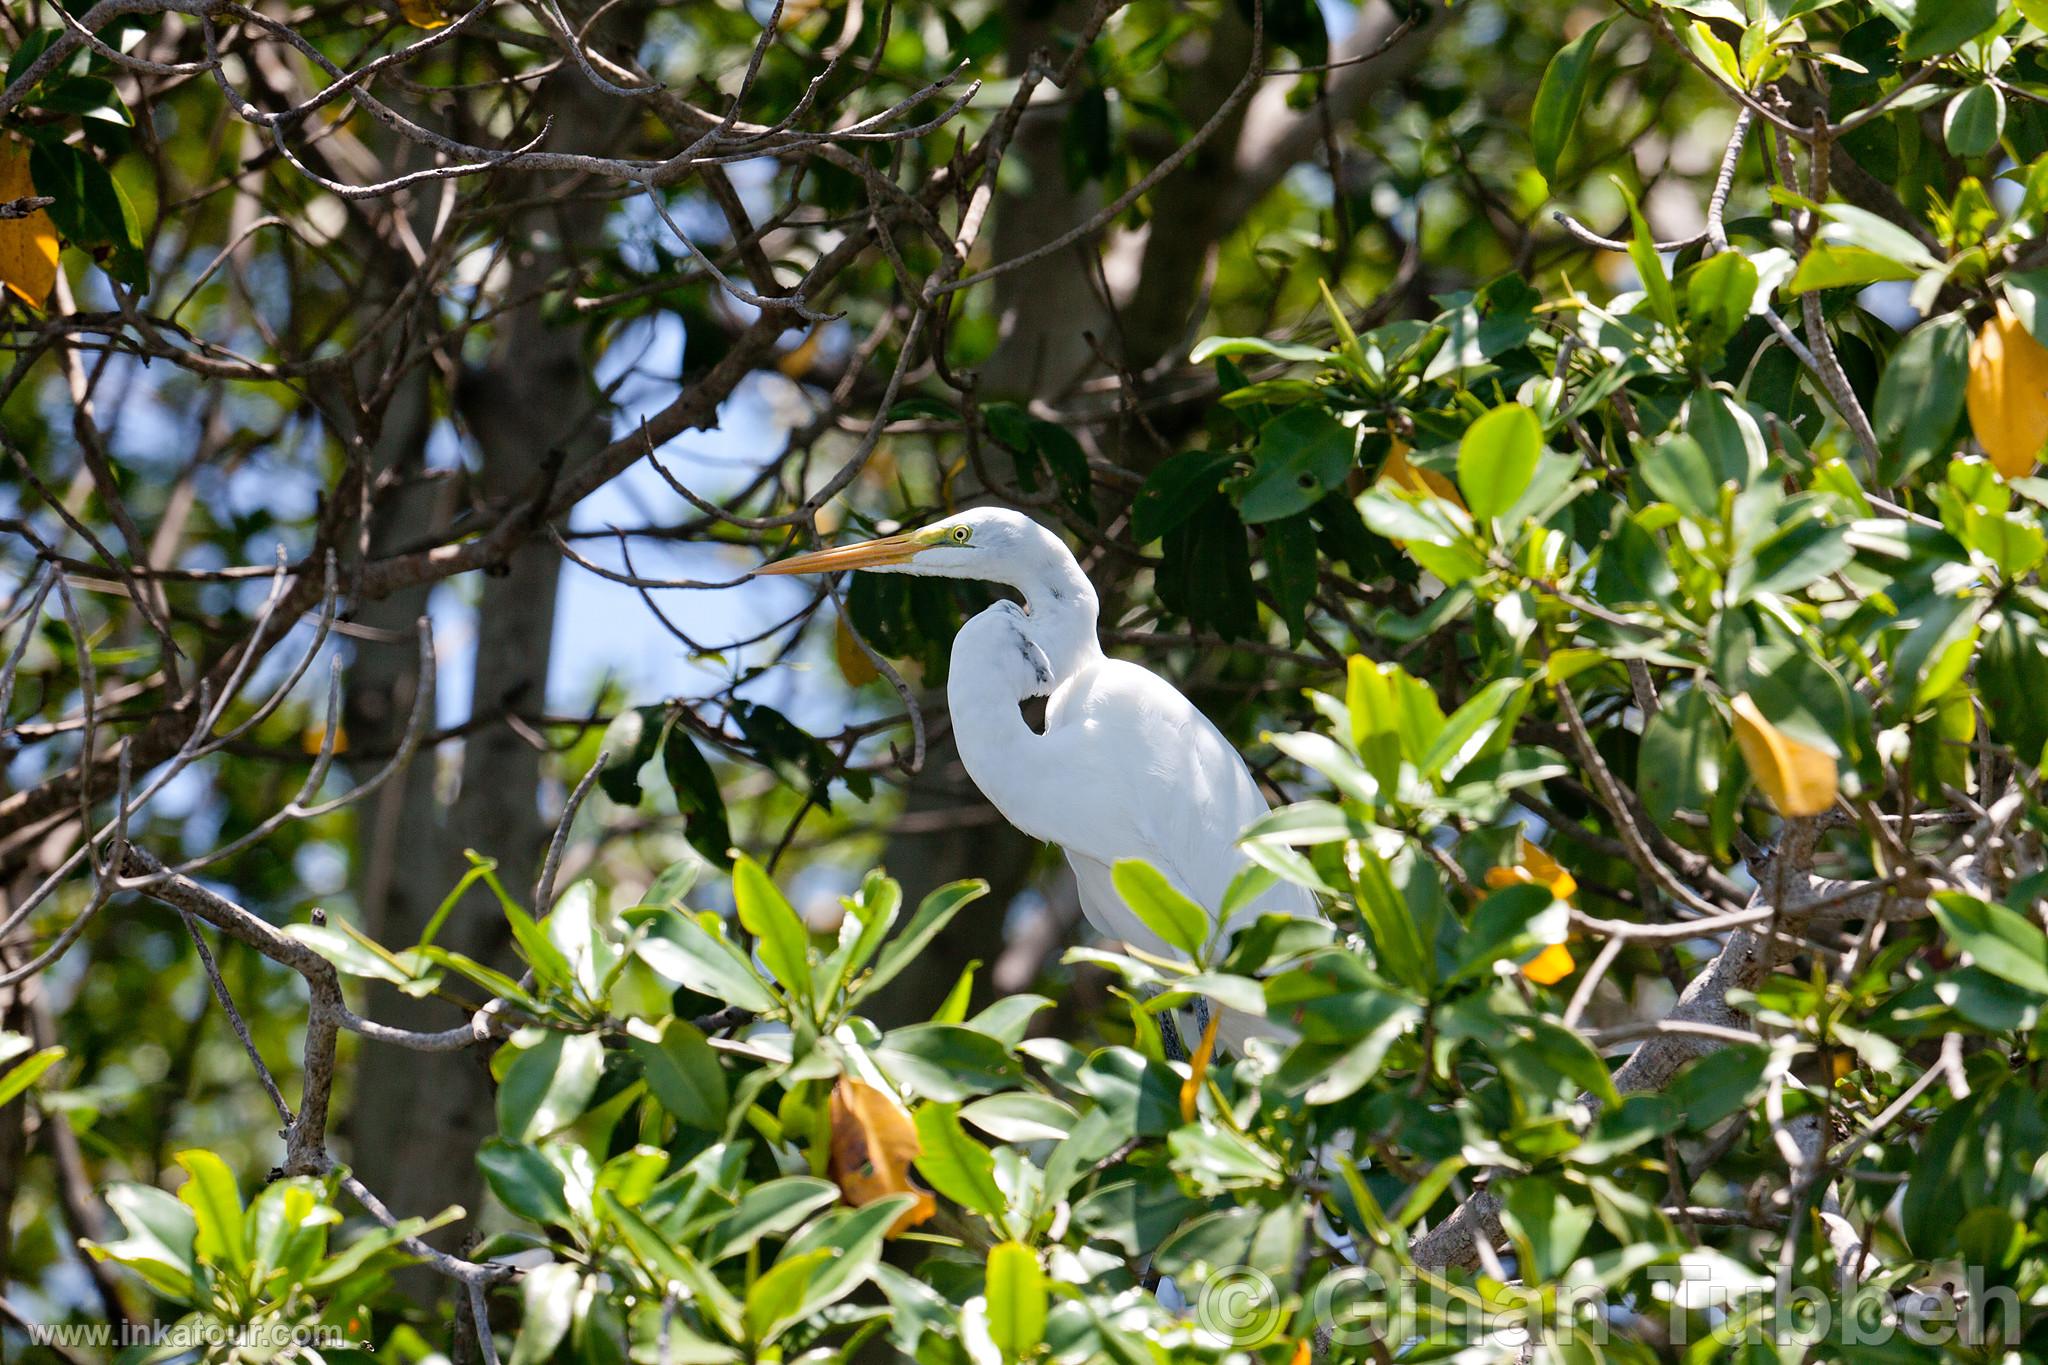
994,544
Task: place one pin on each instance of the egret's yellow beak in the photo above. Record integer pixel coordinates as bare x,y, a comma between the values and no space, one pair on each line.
867,554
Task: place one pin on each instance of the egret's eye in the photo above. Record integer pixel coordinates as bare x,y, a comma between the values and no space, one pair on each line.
962,534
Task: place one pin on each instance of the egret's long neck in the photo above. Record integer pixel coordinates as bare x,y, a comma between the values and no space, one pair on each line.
990,732
1063,606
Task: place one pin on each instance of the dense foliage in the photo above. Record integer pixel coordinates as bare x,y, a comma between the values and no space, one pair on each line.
1643,639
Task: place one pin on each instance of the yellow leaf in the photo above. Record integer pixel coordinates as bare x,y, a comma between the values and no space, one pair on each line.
1798,778
28,246
797,361
423,13
2008,393
873,1144
1550,966
1191,1088
1399,472
1534,866
854,664
314,737
1304,1352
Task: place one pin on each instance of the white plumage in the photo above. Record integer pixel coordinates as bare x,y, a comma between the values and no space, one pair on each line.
1126,767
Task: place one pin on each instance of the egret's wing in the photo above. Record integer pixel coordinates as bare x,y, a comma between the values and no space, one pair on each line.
1144,774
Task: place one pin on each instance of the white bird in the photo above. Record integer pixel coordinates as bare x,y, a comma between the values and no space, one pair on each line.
1126,767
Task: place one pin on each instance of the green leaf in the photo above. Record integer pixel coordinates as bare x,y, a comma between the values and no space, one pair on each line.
348,956
1717,1085
698,799
1508,923
216,1206
380,1243
1246,1235
1391,923
769,1209
1290,546
916,1311
1633,567
548,1084
1411,520
780,936
1237,992
1033,442
795,755
945,1061
1838,267
2009,673
777,1299
1642,254
2025,290
1468,730
679,948
27,1073
490,978
1794,559
285,1229
628,743
870,916
1016,1300
1939,27
1718,294
1497,457
1205,572
1974,121
674,884
550,966
1209,347
1385,1020
1063,455
1136,1214
1176,490
1920,396
1560,96
1020,1117
1728,436
1298,457
1562,1052
525,1181
1679,764
91,211
854,1239
1273,937
158,1245
547,1295
1547,1226
673,1264
955,1164
683,1072
2001,941
1085,139
934,913
1679,472
1160,904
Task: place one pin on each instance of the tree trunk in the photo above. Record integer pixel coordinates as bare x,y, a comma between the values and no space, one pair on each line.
418,1118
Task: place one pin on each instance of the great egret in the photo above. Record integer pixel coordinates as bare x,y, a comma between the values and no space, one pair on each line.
1126,767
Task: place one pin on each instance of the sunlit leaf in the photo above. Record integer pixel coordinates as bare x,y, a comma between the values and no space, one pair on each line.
1798,778
28,246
